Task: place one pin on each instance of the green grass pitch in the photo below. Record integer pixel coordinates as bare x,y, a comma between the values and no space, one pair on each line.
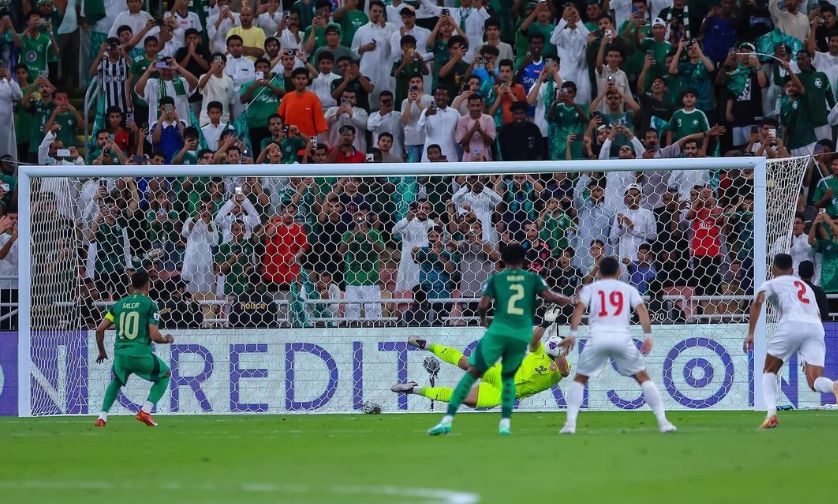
716,457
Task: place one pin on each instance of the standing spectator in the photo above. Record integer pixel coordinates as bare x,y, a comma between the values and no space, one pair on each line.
477,262
538,252
34,44
235,261
214,128
823,237
564,278
201,235
826,62
413,231
321,84
475,197
238,209
167,132
9,93
239,68
745,80
796,116
360,248
492,29
111,65
261,98
705,217
806,272
507,93
407,66
8,268
520,140
372,43
608,72
693,74
386,120
348,113
519,193
407,17
270,19
594,219
108,236
565,118
819,95
179,88
632,226
789,20
475,132
344,150
412,109
302,108
216,86
439,121
570,39
220,24
687,120
285,244
555,224
180,18
253,38
330,229
437,265
454,72
642,270
195,58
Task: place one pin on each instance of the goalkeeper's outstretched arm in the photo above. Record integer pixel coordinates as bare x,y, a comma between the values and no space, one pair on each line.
555,297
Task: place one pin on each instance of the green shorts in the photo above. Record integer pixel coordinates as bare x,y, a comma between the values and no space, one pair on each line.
148,367
492,347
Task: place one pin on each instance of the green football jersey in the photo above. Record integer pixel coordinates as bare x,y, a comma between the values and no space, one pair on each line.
514,292
685,123
33,53
131,316
796,117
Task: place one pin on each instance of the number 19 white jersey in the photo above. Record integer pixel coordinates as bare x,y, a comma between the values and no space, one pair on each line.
792,298
610,303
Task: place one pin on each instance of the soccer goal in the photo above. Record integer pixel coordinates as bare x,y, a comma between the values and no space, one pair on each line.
294,288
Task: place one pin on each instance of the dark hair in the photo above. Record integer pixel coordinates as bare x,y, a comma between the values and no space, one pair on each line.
783,262
490,49
475,97
519,106
192,31
506,62
124,28
645,246
149,39
299,71
166,100
190,132
270,39
457,39
537,36
770,121
378,3
512,255
332,29
386,92
385,134
806,269
215,105
262,60
113,109
609,266
598,241
139,279
326,55
491,22
407,39
234,37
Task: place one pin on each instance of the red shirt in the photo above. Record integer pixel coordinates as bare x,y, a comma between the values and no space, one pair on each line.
354,157
278,263
706,240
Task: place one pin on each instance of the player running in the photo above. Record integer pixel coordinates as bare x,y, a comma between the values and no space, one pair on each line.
135,317
514,291
543,367
799,330
609,303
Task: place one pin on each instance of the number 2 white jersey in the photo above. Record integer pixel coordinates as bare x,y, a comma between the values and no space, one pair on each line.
610,303
792,298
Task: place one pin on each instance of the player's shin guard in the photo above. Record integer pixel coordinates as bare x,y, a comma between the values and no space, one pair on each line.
769,392
460,393
157,390
507,396
575,393
435,393
823,385
110,394
653,399
448,354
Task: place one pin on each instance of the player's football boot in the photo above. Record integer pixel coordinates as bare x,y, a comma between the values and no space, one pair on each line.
667,427
770,422
504,430
99,423
418,343
404,388
568,429
439,429
146,418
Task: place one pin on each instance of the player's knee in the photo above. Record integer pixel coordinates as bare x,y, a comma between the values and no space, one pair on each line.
473,371
580,378
641,377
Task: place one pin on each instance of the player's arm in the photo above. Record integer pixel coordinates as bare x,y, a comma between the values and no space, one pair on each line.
564,367
646,324
575,320
154,334
536,339
483,308
104,325
756,309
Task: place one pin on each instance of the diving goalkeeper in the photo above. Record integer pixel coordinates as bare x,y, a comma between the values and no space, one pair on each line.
543,367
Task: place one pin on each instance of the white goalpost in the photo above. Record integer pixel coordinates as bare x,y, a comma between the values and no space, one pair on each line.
309,312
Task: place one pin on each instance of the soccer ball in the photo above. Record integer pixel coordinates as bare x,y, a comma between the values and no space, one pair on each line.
552,346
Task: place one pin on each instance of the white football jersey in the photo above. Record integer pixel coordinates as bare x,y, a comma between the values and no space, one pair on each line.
610,303
792,298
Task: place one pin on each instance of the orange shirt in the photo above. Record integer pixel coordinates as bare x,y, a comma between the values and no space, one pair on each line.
506,101
303,111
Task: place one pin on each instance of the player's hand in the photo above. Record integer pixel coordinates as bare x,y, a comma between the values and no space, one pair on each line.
103,356
646,347
748,345
568,343
169,339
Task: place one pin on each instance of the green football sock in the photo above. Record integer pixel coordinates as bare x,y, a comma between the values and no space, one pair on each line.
436,393
460,393
110,394
507,396
158,389
448,354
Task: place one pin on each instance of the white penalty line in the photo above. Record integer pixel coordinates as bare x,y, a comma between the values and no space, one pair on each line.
438,495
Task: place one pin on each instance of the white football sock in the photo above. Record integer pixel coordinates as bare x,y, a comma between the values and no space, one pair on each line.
415,390
823,384
504,423
769,392
147,407
103,416
574,401
447,419
653,399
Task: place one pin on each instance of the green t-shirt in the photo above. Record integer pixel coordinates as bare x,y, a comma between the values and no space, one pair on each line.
236,281
34,53
263,103
350,23
522,41
41,112
24,122
829,264
69,129
695,76
826,183
454,79
403,81
132,316
161,231
818,92
685,123
360,263
289,147
563,121
515,292
659,51
188,194
554,232
797,118
110,246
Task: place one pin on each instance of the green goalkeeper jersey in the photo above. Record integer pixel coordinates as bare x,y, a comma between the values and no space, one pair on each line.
132,316
538,372
514,292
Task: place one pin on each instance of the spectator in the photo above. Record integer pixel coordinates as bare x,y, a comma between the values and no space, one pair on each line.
111,65
745,80
406,67
302,108
819,95
565,118
439,122
371,42
477,261
216,86
806,271
475,133
181,19
67,117
351,115
166,85
345,150
796,116
564,278
352,80
438,263
238,209
407,17
633,226
285,245
594,218
507,93
687,120
789,20
220,24
108,235
570,39
9,93
827,62
270,19
386,120
476,197
167,132
413,108
822,238
492,30
706,219
555,224
360,248
520,140
321,84
538,252
252,37
8,269
201,235
330,230
195,58
235,261
34,44
261,98
214,128
693,74
413,232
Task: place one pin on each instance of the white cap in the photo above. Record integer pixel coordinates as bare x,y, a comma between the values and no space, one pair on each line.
658,22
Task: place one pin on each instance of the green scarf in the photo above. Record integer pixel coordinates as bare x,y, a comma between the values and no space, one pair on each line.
94,10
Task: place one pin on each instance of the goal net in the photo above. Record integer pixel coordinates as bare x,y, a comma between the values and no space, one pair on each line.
295,288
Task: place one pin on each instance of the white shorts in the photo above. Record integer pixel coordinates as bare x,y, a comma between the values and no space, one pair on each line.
599,350
804,338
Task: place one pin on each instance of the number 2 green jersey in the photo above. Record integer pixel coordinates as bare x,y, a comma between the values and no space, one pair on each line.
514,292
131,316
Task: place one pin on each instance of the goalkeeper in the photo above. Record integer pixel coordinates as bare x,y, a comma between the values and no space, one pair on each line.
543,367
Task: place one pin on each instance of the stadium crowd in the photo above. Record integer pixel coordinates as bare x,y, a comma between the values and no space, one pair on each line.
317,81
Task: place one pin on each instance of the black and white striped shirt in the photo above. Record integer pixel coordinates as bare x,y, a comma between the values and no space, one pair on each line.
113,76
